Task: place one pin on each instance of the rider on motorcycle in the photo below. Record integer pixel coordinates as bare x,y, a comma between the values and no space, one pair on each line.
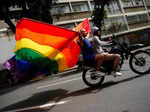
91,56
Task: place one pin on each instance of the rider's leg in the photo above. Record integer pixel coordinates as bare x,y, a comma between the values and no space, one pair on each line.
99,58
116,61
114,57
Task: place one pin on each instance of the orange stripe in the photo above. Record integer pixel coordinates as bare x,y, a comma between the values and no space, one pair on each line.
43,28
43,39
71,54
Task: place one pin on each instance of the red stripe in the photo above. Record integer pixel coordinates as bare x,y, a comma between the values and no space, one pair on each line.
71,53
43,28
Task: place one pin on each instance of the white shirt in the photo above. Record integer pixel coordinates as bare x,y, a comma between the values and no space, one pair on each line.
98,44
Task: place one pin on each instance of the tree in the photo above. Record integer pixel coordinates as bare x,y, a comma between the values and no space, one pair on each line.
99,12
4,11
34,9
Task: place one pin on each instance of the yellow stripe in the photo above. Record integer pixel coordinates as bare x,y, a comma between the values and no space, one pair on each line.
45,50
42,39
61,62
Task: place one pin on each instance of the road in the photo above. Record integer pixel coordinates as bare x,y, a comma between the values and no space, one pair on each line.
68,93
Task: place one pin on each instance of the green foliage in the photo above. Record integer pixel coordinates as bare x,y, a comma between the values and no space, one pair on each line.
34,9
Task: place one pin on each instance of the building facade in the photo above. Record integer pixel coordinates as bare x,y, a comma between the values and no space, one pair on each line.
130,19
123,16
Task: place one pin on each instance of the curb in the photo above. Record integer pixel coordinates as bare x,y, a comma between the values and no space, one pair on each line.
67,72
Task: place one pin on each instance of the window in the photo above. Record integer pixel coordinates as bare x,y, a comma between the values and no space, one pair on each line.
114,25
131,19
68,26
133,5
139,20
80,7
60,9
138,2
113,8
92,5
127,3
147,2
142,18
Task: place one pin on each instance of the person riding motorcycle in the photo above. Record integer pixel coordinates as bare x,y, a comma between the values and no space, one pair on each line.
98,44
90,56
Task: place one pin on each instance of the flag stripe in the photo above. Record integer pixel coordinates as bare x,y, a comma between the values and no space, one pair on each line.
64,58
36,58
45,50
71,53
43,28
43,39
56,64
61,62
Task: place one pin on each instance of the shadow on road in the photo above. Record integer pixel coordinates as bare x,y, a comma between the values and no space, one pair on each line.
37,99
6,88
59,94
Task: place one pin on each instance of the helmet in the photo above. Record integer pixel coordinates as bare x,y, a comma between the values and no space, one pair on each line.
94,30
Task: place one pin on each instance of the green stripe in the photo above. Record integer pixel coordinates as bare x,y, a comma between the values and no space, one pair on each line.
36,58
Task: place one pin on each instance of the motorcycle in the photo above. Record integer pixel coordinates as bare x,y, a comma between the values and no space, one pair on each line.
138,63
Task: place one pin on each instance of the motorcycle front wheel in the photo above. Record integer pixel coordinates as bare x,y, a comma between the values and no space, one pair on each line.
92,79
140,62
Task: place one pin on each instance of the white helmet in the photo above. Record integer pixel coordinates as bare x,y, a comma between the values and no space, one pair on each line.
94,29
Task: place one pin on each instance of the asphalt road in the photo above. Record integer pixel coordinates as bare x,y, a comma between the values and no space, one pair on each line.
68,93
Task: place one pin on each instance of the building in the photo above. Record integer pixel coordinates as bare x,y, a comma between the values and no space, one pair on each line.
126,15
123,16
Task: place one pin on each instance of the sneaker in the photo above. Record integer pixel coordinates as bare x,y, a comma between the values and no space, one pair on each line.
116,74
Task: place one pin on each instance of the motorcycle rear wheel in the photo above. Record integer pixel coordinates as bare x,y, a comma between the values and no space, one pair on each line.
139,62
91,79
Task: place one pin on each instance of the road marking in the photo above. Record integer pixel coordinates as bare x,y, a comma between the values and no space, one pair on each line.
54,103
42,106
63,82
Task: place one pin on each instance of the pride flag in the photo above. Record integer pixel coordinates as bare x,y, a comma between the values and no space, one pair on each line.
83,25
46,45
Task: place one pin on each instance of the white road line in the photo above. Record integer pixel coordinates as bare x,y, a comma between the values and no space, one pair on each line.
54,103
41,107
54,84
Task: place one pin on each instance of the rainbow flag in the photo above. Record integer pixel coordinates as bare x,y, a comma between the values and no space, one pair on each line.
85,24
46,45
